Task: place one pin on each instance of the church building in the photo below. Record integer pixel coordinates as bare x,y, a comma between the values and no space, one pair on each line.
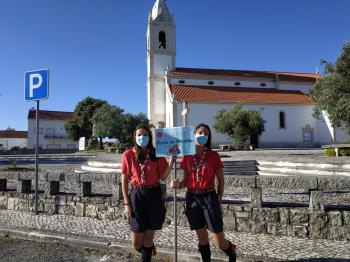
188,96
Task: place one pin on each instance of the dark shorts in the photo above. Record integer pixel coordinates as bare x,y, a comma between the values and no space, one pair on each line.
203,211
148,209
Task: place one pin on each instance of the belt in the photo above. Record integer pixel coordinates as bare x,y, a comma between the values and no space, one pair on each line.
198,192
147,186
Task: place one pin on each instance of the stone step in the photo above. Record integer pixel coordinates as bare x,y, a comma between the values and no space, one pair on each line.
104,164
241,173
101,169
305,165
240,168
301,171
240,163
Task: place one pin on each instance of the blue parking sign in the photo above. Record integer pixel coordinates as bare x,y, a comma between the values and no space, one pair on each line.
36,85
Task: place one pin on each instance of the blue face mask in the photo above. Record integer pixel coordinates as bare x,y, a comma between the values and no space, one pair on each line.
142,141
201,139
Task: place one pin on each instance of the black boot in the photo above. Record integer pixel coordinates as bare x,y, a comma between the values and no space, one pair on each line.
231,252
146,253
205,252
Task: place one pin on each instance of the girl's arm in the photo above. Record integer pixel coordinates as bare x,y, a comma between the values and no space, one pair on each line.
175,182
221,183
125,189
168,169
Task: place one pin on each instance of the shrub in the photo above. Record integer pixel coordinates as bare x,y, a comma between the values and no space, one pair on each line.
343,152
329,152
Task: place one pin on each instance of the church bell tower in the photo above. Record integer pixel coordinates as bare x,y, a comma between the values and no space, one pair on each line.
161,53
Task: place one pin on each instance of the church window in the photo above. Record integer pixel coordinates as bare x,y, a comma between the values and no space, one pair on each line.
162,40
210,82
182,81
282,117
262,84
237,83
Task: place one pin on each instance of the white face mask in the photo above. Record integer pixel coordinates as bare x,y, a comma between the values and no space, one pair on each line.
142,141
201,139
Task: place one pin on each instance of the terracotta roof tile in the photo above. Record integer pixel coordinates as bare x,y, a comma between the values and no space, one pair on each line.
51,115
13,134
215,94
282,76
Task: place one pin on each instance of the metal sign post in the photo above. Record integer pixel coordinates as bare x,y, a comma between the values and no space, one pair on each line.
175,217
36,87
36,156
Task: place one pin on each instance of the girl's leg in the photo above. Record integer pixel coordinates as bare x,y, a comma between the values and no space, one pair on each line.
225,245
203,244
147,245
137,240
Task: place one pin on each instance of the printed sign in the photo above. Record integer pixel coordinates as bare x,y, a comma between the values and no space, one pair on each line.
36,85
175,140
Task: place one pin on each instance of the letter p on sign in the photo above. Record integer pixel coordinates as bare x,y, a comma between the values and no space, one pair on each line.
36,85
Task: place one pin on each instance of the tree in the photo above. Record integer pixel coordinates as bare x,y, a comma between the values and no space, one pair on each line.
81,125
107,121
10,129
332,92
240,124
130,122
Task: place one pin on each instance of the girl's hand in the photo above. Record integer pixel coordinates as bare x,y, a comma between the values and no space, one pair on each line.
174,183
127,210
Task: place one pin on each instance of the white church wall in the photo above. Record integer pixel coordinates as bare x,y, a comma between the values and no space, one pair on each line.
229,83
159,97
161,63
297,117
303,87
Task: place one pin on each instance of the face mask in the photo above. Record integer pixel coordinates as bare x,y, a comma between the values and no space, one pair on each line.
142,141
201,139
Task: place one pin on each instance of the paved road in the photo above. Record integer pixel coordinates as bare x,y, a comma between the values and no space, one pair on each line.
266,247
13,250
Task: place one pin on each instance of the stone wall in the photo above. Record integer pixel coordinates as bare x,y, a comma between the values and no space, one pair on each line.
313,222
297,222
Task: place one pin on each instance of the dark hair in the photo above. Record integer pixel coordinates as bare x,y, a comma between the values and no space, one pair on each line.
208,144
152,153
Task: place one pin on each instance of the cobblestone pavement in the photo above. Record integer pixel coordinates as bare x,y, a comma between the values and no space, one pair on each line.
265,247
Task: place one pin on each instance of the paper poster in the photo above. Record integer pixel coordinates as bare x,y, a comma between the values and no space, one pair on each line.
175,140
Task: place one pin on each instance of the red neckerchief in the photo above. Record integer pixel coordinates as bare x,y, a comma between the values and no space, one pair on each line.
198,165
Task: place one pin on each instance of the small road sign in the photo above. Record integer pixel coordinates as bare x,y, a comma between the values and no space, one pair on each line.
36,85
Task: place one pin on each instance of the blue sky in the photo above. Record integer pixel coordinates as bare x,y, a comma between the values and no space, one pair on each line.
98,47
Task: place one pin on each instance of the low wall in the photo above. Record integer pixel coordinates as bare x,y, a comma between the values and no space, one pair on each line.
315,221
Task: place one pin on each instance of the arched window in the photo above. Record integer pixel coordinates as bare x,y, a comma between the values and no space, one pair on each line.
162,40
282,116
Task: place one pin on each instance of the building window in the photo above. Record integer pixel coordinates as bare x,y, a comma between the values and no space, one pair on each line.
182,81
40,130
50,131
282,117
162,40
237,83
210,82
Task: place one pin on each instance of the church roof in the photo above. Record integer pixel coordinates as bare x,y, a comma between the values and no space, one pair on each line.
160,7
51,115
281,76
217,94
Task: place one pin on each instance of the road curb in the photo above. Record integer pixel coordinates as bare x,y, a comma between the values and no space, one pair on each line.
108,246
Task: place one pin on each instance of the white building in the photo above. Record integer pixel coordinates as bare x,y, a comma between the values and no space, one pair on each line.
282,97
11,138
52,134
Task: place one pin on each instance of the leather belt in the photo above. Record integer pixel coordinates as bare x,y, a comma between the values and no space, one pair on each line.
198,192
147,186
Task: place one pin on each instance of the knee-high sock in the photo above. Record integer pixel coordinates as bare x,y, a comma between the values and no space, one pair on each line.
205,252
146,254
231,252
